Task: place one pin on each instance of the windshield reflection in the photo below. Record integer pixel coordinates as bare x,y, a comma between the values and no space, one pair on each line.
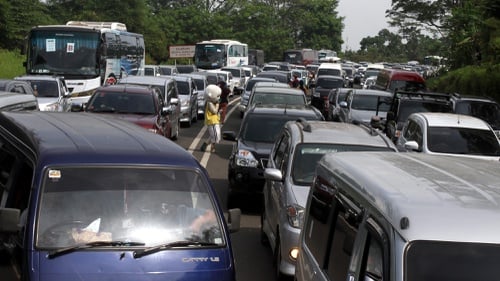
151,206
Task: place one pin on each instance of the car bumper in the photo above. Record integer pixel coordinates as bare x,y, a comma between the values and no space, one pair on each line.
246,179
289,240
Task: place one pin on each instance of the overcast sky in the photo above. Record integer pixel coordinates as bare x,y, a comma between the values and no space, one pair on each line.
362,18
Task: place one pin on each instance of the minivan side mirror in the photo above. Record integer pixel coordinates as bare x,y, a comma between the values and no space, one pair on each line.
9,220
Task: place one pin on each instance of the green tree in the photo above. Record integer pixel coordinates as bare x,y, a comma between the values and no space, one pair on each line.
17,17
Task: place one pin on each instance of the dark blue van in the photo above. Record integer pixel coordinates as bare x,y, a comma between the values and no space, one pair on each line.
89,197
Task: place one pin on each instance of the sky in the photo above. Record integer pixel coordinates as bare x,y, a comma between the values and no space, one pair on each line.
362,18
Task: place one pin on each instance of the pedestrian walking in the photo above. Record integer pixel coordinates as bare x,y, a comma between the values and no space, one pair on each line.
212,117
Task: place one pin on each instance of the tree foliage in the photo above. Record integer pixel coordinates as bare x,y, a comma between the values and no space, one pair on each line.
465,31
468,29
271,25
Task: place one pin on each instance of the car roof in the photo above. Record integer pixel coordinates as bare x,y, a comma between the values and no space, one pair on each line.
306,111
146,80
329,77
9,100
338,132
184,78
39,77
278,90
61,138
330,65
372,92
262,79
438,119
458,98
5,82
271,84
424,197
193,75
125,88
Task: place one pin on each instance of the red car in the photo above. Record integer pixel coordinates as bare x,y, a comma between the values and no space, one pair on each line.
138,104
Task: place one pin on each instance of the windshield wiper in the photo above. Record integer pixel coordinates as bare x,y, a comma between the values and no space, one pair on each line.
161,247
62,251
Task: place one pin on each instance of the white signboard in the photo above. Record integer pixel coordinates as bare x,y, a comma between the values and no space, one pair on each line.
181,51
50,45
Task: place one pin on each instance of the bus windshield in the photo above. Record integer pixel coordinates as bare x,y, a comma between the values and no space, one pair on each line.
209,56
63,52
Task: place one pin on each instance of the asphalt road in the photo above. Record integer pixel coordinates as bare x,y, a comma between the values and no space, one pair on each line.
254,261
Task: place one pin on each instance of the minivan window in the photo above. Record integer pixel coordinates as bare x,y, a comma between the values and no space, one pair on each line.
307,156
342,243
433,260
150,206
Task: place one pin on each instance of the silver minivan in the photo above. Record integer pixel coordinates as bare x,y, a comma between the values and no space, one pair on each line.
401,216
290,172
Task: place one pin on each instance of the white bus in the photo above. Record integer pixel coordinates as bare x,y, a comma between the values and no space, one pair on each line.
217,53
85,53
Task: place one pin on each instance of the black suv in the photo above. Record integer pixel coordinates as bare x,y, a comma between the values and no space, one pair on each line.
405,103
258,131
478,106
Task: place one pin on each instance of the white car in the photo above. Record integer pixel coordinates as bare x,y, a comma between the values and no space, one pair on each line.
50,91
449,134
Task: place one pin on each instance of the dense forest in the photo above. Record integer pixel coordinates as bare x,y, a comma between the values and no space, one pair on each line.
464,31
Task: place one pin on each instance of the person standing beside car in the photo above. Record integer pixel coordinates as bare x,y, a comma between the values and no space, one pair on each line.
224,100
